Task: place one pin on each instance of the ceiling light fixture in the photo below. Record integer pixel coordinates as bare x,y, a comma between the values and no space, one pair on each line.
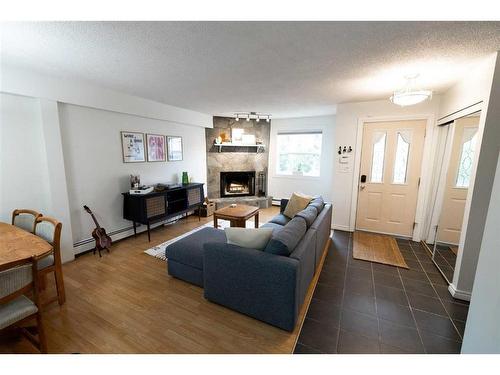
248,117
268,118
409,95
258,118
237,117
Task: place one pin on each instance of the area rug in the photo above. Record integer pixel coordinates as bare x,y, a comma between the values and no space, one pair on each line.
377,248
159,250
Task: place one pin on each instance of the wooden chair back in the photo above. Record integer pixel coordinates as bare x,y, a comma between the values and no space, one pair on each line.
25,219
49,229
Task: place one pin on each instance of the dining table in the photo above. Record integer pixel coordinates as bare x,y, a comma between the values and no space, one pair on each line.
17,244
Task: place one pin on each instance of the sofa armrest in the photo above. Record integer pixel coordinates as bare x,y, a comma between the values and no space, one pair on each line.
283,204
258,284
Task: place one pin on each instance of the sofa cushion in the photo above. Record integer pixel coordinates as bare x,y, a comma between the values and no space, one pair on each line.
296,203
280,219
274,226
309,214
249,237
318,203
284,241
189,250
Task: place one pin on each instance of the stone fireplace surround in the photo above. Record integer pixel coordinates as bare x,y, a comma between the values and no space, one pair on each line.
237,159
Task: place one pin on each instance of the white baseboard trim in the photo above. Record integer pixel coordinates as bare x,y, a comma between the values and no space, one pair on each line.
459,294
344,228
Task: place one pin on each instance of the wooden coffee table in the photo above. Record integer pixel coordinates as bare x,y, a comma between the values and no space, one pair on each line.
237,215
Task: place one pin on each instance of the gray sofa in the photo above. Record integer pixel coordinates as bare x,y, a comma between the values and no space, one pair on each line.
268,285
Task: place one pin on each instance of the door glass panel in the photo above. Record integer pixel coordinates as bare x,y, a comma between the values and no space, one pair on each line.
466,158
377,170
401,160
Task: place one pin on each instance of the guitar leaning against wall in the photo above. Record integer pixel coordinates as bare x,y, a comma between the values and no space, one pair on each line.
102,240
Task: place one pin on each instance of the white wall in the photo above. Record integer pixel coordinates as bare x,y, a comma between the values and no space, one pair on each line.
346,129
470,90
482,331
284,186
95,170
32,173
23,175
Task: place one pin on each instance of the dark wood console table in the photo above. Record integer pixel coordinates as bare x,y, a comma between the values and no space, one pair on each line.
157,206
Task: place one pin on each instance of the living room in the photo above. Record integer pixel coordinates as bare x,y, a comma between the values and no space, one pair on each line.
249,187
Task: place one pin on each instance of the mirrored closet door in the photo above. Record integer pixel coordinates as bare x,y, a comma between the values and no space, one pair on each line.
454,180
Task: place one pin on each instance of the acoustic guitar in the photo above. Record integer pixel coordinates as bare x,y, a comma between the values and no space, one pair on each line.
102,240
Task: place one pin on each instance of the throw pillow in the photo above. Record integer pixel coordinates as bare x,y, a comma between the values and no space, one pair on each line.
249,237
296,203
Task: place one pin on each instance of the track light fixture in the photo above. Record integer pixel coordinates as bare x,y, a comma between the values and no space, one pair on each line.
252,116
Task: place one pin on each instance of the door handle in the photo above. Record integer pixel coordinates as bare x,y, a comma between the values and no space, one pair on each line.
361,187
363,178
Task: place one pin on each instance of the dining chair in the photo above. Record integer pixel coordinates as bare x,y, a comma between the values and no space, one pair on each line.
25,219
18,278
50,230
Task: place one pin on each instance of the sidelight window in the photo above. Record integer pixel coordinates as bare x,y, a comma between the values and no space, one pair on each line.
401,159
378,156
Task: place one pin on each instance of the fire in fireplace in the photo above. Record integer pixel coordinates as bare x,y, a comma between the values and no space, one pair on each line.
237,184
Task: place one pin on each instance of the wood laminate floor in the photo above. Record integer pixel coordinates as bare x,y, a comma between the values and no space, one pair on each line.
126,303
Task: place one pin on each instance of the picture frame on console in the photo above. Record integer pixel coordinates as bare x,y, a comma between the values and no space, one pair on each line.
133,149
155,147
174,148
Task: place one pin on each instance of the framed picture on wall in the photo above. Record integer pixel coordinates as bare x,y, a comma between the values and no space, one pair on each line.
156,147
174,147
133,147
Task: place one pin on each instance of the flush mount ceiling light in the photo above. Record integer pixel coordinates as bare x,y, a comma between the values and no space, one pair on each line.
252,116
409,95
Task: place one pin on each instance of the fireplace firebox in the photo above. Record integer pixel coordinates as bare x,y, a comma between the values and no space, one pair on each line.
237,184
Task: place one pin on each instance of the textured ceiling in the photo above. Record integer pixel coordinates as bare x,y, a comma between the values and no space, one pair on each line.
283,68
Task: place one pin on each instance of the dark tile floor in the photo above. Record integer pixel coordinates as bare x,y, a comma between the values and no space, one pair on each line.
365,307
446,259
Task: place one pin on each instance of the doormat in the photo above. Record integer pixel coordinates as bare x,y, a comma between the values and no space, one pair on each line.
377,248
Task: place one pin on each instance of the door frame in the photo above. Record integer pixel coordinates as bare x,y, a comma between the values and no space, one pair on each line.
425,171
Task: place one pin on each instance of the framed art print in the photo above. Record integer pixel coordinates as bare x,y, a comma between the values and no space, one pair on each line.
174,147
156,147
133,147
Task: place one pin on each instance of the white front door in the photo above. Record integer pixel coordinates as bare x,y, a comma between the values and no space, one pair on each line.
391,158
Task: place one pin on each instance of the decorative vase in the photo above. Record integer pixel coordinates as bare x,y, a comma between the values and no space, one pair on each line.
185,178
